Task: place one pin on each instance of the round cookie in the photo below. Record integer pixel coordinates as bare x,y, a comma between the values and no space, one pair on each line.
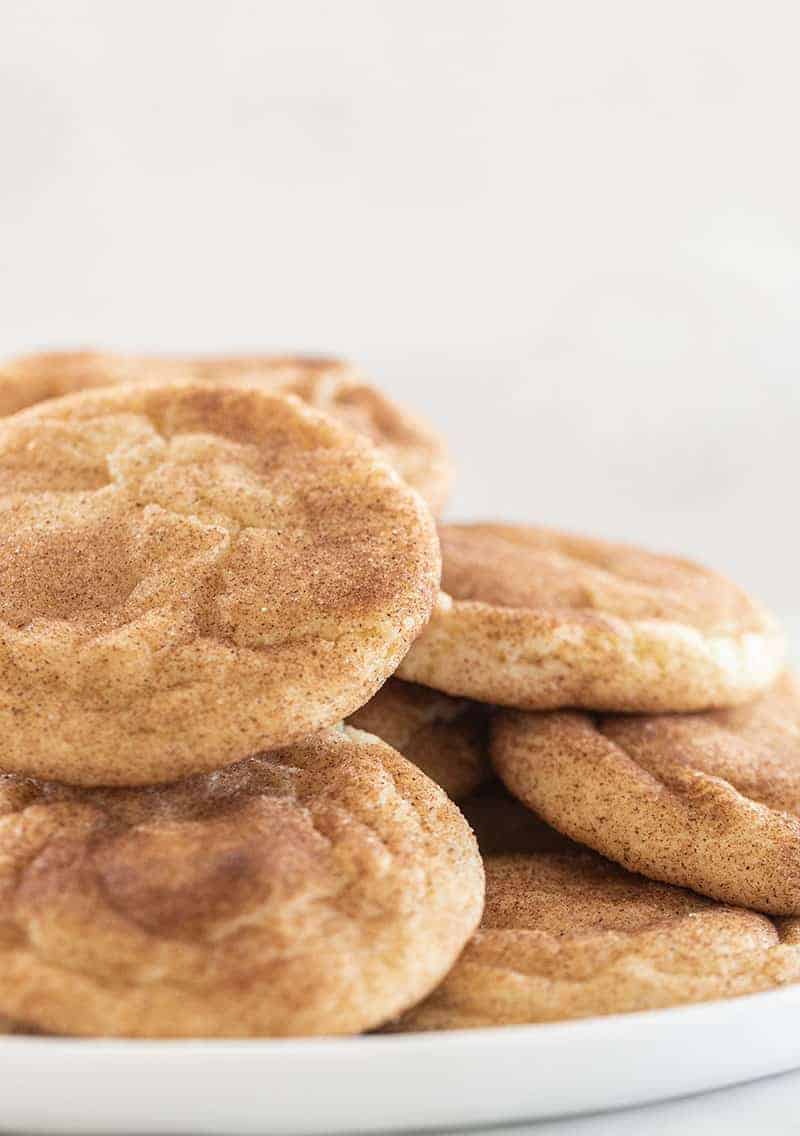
707,801
568,935
189,575
445,737
537,619
414,449
318,889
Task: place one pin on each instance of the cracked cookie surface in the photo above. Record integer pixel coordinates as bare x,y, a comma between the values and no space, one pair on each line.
537,619
446,737
707,801
569,935
415,450
321,888
191,574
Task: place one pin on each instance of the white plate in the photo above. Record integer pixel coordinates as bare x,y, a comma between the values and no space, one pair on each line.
412,1081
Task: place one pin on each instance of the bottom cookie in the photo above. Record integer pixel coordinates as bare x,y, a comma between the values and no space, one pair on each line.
318,889
570,935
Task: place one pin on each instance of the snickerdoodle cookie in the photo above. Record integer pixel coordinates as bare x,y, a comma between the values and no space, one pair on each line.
318,889
708,801
415,450
191,574
537,619
446,737
569,935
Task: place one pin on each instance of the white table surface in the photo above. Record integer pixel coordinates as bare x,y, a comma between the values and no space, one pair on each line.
769,1106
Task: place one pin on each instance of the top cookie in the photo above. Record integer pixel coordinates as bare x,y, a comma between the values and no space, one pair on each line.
537,619
415,450
191,574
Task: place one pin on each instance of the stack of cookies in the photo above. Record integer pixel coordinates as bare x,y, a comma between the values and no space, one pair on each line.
256,711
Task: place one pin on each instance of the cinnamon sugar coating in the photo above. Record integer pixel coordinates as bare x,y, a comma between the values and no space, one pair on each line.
446,737
708,801
537,619
569,935
189,574
413,448
319,889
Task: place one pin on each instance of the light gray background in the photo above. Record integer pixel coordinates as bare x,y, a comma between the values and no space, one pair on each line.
567,231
